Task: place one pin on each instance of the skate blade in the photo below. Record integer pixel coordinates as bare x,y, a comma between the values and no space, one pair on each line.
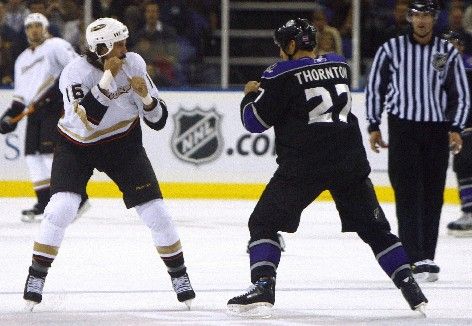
188,303
29,305
460,234
421,309
255,310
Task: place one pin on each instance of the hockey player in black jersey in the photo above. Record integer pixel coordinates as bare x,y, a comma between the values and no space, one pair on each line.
307,99
462,227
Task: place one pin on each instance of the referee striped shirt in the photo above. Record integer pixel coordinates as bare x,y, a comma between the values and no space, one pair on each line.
423,83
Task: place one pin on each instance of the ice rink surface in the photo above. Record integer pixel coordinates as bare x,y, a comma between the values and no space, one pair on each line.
108,272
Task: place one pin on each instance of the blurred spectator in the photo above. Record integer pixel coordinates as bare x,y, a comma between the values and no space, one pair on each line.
326,43
111,8
456,18
321,24
156,43
15,15
134,20
7,48
74,30
55,13
400,24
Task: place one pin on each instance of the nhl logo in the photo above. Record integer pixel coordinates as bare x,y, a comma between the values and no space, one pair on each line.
439,61
197,135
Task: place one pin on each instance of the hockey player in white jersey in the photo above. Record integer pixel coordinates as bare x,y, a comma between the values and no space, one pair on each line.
106,93
37,96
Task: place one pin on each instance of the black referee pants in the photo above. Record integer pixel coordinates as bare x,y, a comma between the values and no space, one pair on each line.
417,165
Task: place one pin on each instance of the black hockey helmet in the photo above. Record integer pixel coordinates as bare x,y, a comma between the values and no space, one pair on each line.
298,29
428,6
453,37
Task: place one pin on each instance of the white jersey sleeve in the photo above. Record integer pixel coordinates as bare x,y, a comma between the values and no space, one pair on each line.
37,70
136,66
91,116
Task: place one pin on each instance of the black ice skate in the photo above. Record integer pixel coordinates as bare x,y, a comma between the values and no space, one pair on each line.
33,293
425,271
29,215
461,227
257,301
184,289
413,294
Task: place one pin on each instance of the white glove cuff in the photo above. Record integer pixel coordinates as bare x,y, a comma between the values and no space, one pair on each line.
147,100
105,82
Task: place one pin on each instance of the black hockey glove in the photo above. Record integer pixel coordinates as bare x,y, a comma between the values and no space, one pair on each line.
5,125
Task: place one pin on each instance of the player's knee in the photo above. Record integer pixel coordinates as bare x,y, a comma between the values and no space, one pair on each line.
62,208
155,215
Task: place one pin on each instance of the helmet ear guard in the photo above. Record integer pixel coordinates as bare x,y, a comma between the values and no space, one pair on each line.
105,31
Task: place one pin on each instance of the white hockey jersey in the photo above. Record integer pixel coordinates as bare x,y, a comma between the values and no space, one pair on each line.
37,70
89,115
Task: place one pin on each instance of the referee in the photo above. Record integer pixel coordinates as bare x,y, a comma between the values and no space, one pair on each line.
419,79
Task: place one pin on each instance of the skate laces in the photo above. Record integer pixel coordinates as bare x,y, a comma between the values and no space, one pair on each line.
35,284
181,284
254,287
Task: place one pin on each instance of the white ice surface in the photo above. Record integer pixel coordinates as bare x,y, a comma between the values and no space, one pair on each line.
108,272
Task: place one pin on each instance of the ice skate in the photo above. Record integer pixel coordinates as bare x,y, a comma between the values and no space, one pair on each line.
33,292
257,301
461,227
413,295
184,289
31,215
425,271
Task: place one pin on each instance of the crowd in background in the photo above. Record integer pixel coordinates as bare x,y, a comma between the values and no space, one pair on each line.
175,36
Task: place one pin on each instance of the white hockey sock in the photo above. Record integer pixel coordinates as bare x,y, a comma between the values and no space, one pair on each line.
155,215
59,213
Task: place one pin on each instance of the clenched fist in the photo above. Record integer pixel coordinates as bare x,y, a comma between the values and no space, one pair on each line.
139,85
113,64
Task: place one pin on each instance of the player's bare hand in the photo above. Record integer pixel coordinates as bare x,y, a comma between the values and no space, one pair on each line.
455,142
113,64
251,86
138,84
376,141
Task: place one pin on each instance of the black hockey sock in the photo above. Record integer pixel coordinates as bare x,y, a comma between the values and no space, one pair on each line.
173,258
175,265
264,255
38,267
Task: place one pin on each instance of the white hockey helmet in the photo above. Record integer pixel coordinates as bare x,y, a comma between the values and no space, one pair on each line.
105,31
36,17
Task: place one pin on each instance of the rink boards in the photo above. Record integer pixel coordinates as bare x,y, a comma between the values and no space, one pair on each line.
203,152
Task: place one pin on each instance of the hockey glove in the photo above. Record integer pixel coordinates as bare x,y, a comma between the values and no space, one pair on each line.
5,121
